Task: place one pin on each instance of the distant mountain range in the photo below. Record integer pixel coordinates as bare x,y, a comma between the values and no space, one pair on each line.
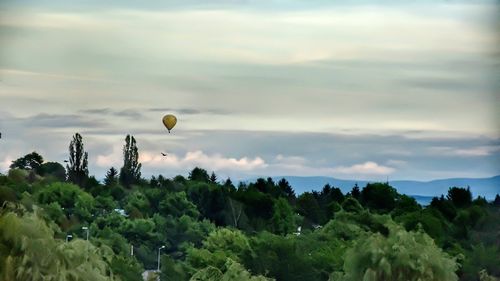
423,191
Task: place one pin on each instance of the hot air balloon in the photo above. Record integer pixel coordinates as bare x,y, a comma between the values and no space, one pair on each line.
169,121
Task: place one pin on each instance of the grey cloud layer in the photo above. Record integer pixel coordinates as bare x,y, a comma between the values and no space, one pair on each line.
327,88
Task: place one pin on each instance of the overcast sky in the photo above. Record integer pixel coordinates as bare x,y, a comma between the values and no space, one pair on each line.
355,90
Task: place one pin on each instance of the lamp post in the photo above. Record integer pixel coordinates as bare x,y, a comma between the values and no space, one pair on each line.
159,249
87,229
68,237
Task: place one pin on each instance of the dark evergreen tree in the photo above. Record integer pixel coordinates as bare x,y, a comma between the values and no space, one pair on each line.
331,193
496,202
228,183
77,169
130,173
355,192
286,188
111,177
213,178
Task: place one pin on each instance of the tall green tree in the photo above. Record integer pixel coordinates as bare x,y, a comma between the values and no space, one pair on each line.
130,173
77,168
283,219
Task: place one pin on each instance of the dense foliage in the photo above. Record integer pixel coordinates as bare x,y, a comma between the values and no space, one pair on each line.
213,230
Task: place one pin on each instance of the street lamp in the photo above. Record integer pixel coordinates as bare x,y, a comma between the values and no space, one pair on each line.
68,237
87,229
159,249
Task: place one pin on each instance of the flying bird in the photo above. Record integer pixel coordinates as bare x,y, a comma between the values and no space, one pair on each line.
164,154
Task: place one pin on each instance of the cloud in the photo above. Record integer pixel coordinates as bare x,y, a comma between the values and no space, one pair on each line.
129,113
44,120
293,160
45,75
397,163
97,111
5,163
189,111
367,168
113,159
466,152
478,151
216,162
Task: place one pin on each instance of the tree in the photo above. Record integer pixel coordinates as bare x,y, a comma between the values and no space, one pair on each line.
30,252
111,178
496,202
308,206
31,161
74,200
460,197
379,196
236,209
78,161
445,207
351,205
199,174
177,204
286,188
53,169
218,246
213,178
400,256
232,271
283,219
355,193
130,173
228,184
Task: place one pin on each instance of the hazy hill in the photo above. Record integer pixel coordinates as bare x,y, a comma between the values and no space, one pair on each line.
422,190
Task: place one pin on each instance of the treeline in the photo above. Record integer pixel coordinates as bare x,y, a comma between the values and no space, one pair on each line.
206,228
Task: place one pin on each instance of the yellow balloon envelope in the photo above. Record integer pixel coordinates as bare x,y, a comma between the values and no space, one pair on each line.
169,121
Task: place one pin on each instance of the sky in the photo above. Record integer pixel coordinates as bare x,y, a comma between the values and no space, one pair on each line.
347,89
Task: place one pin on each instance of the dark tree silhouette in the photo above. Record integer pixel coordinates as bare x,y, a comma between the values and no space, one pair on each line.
199,174
229,184
460,197
213,178
496,202
31,161
355,193
286,188
53,169
130,173
379,196
111,177
77,168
